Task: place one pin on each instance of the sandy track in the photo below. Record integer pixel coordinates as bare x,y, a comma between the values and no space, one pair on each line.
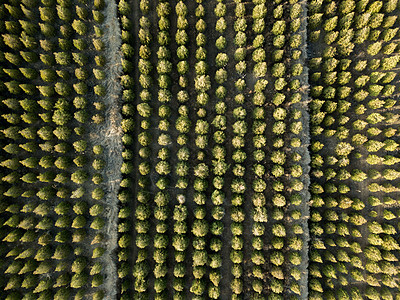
304,152
109,136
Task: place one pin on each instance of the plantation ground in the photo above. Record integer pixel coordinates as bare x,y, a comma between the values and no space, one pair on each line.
199,150
195,114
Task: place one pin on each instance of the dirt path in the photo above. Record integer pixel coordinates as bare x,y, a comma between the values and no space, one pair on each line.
110,138
305,154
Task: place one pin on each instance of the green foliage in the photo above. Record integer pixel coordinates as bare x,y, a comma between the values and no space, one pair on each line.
200,228
183,124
